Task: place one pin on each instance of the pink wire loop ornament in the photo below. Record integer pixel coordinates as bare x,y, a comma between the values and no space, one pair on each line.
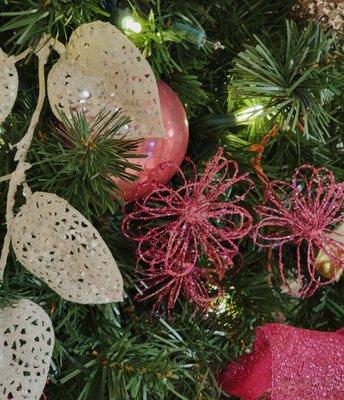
301,216
176,228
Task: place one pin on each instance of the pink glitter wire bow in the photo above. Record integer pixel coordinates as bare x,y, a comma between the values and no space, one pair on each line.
303,214
175,228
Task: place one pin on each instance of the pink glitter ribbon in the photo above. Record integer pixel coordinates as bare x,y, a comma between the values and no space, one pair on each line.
302,215
289,363
175,228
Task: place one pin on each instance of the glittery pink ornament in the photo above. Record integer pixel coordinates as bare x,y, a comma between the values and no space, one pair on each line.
175,227
168,284
300,217
159,150
289,363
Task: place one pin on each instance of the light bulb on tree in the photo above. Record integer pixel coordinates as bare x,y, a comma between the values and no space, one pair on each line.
248,114
129,23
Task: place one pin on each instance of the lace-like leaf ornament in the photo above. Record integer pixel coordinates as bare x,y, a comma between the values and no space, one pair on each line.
60,246
8,85
26,346
101,68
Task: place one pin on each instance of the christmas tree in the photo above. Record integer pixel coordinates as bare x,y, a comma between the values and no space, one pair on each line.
171,179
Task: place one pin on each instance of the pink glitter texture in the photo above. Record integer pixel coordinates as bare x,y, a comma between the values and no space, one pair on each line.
301,216
289,363
175,228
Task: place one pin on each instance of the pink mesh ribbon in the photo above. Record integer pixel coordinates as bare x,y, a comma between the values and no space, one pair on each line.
299,219
175,228
289,363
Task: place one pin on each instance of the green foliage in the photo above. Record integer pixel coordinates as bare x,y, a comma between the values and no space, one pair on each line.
7,299
157,362
289,150
121,351
249,301
81,161
109,351
160,35
117,351
154,42
191,92
233,22
322,311
298,78
29,19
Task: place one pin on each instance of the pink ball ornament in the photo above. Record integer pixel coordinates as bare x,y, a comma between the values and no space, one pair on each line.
171,148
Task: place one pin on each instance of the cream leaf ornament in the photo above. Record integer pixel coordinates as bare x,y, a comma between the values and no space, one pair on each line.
8,84
26,346
60,246
101,68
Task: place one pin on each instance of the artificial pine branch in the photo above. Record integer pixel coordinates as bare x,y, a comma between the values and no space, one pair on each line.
326,305
192,94
88,334
31,18
81,160
297,80
144,360
162,36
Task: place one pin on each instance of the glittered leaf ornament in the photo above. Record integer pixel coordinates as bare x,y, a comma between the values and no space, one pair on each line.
289,363
174,228
57,244
100,69
8,85
26,346
299,219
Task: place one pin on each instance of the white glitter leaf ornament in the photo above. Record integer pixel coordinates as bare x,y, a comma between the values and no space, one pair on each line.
60,246
101,68
8,84
26,346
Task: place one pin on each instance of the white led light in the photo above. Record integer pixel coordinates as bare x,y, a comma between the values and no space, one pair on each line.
129,23
249,113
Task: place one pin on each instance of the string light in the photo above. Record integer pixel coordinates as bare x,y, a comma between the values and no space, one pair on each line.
246,115
129,23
